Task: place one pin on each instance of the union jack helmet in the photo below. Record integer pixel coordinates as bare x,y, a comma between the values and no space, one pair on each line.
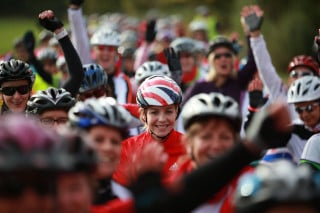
158,90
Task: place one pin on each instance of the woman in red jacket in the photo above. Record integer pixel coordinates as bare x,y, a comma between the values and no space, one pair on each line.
159,98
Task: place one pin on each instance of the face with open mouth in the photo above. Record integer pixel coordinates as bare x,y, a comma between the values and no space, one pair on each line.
161,119
222,60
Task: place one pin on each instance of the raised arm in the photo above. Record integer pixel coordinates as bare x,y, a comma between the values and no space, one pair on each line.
48,20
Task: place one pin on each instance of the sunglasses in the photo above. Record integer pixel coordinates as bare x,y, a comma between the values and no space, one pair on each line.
10,91
309,108
298,74
105,47
219,55
93,93
185,55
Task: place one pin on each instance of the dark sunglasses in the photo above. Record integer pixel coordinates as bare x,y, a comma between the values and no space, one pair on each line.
13,186
93,93
105,47
219,55
298,74
309,108
10,91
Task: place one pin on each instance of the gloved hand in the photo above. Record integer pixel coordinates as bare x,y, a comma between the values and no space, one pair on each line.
270,127
173,61
49,21
29,42
254,22
77,2
256,99
151,30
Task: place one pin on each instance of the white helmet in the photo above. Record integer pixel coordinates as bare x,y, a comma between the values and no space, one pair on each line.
150,68
304,89
212,104
105,37
198,25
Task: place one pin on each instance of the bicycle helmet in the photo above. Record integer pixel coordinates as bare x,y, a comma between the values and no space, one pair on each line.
220,41
183,44
105,37
50,99
47,54
305,61
101,111
279,183
304,89
150,68
158,91
197,25
14,70
94,77
213,104
73,152
25,145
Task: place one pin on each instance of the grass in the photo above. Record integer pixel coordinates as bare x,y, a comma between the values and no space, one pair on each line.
13,28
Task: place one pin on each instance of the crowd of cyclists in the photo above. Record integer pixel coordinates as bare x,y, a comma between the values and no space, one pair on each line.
142,117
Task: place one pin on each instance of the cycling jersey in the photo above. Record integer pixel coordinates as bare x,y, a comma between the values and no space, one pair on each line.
172,146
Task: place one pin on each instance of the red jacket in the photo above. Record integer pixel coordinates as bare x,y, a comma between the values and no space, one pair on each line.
115,206
173,146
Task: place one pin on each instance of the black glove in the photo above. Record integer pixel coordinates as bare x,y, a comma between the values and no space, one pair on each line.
263,133
173,61
148,192
51,24
256,99
77,2
151,30
29,42
254,22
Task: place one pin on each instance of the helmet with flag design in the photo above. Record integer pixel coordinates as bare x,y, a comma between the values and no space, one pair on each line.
158,91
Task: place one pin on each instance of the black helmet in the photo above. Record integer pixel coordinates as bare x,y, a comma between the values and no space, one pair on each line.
220,41
51,98
16,70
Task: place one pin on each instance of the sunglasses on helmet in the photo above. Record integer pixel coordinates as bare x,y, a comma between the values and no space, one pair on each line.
10,91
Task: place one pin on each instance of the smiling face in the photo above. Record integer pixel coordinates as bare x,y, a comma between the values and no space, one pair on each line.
210,140
16,102
221,59
107,142
310,113
160,120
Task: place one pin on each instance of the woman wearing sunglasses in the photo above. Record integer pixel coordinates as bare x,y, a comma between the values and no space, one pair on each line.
16,80
222,77
304,94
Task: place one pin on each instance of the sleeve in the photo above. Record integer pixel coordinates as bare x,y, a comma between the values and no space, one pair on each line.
47,77
74,66
267,71
246,73
79,35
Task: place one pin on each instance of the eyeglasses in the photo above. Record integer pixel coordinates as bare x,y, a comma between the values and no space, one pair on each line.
219,55
10,91
105,47
309,108
185,55
48,122
93,93
300,73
